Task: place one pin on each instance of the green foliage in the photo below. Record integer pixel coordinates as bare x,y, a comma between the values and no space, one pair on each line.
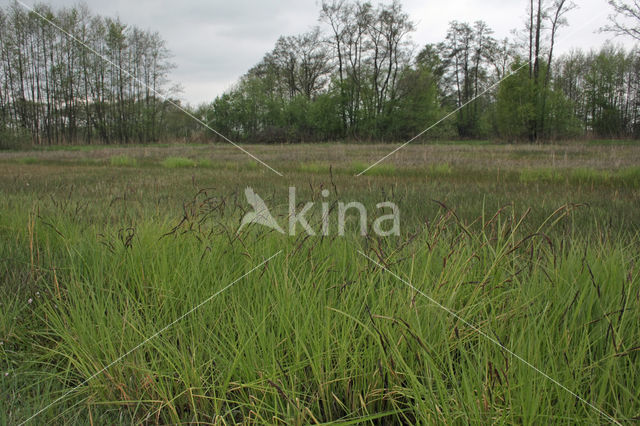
526,110
324,117
417,106
561,122
13,139
603,81
602,86
515,108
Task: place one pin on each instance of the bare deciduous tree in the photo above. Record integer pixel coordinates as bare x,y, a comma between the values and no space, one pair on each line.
626,20
55,89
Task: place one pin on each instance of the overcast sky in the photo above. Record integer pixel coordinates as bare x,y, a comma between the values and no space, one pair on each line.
216,41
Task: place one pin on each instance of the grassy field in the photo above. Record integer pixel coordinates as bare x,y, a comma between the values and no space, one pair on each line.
511,296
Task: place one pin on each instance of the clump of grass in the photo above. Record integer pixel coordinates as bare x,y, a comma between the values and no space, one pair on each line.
440,170
250,165
379,170
178,162
28,160
206,163
123,161
589,176
629,176
320,168
540,175
230,165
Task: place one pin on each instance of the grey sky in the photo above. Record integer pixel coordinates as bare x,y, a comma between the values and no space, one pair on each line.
214,42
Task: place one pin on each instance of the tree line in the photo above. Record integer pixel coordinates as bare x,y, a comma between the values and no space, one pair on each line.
355,76
54,90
